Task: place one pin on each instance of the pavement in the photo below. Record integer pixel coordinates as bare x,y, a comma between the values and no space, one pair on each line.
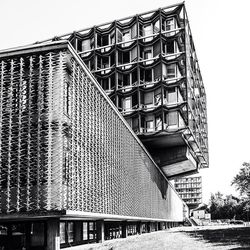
222,237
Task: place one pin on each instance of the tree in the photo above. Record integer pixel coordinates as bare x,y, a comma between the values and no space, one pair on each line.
216,205
227,207
242,184
242,180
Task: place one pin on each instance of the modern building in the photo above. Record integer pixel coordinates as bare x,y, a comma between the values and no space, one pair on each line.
72,171
147,64
190,190
92,125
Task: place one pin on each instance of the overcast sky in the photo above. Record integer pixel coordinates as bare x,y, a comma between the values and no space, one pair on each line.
220,31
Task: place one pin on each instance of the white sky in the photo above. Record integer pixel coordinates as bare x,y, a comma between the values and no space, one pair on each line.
220,31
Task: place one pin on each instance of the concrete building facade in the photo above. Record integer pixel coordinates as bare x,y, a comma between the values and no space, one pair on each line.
147,65
72,170
190,190
92,125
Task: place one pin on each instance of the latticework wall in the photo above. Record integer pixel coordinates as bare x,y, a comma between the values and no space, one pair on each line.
31,141
65,147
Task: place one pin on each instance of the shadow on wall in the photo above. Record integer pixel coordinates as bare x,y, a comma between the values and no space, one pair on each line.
225,236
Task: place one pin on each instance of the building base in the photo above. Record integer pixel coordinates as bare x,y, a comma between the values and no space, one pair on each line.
61,232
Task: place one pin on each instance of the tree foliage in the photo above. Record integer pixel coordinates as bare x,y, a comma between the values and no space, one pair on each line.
228,207
242,180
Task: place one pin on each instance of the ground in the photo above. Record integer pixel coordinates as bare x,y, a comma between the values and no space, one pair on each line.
181,238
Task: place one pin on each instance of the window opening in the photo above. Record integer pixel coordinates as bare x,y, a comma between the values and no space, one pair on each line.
173,118
149,125
127,103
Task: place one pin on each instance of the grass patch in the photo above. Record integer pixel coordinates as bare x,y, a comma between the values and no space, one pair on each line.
223,236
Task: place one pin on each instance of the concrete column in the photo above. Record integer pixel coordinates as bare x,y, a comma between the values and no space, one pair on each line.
53,234
78,231
160,226
154,226
139,227
27,232
124,229
148,225
100,231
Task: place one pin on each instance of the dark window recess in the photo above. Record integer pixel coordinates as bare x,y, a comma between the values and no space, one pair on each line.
157,72
105,40
113,100
120,79
119,57
170,47
140,29
99,62
134,76
142,121
37,233
126,80
112,59
119,102
148,75
105,83
79,45
134,100
99,40
112,80
92,64
142,97
105,62
26,235
156,49
126,57
135,123
141,52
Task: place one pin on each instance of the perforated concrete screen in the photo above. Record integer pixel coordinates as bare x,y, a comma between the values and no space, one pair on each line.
64,146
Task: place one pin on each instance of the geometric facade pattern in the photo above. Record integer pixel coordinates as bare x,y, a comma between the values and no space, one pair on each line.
64,145
148,66
190,190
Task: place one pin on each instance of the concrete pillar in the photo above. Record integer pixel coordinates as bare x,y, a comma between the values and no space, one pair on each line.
27,232
139,227
124,229
148,226
78,231
53,234
160,225
100,231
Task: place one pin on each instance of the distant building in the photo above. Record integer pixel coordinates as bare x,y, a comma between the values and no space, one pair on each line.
201,212
190,190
